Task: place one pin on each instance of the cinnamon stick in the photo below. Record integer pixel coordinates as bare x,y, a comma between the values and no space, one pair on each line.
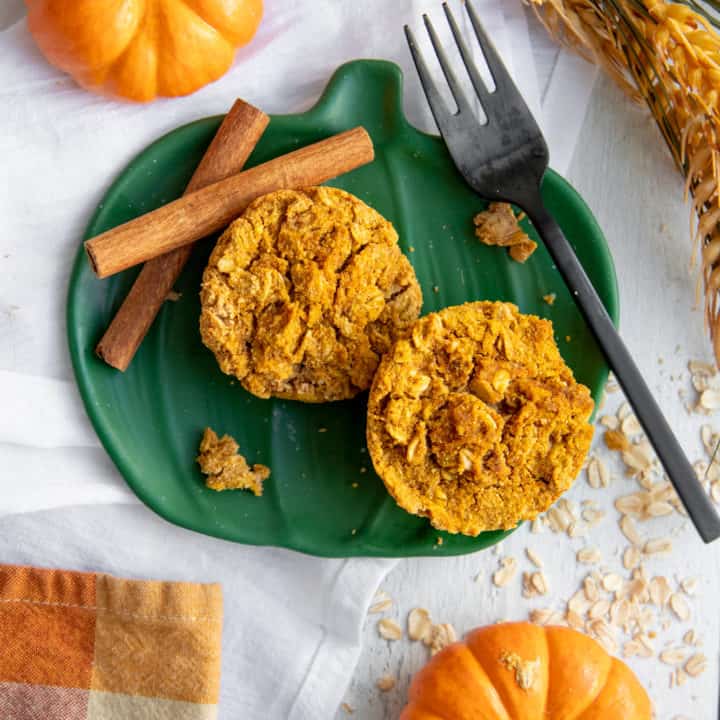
234,141
213,207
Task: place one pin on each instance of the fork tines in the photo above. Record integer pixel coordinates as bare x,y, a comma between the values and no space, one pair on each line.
504,85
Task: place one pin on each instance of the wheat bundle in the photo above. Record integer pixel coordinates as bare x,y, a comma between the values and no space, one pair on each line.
667,54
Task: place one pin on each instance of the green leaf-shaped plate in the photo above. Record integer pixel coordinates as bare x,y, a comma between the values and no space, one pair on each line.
323,496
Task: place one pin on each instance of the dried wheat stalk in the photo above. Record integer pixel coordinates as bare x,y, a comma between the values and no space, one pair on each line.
667,54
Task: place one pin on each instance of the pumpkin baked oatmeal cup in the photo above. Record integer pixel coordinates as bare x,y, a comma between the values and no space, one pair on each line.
475,421
303,294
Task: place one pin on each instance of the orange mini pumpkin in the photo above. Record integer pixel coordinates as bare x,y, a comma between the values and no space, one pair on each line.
139,49
521,671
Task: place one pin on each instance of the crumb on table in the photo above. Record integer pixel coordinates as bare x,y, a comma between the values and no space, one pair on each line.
225,468
498,226
550,298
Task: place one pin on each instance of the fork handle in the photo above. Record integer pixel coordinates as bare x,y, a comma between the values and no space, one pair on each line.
678,468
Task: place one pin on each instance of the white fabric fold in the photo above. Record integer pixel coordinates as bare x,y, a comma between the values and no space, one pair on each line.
291,634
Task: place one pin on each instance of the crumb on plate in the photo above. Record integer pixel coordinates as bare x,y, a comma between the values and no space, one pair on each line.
225,468
498,226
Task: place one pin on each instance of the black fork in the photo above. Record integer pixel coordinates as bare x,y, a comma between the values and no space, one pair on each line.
505,159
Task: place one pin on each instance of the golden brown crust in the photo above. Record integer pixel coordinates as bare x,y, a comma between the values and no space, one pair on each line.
304,292
475,421
225,468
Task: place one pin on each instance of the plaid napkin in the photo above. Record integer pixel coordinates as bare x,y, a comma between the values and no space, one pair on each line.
86,646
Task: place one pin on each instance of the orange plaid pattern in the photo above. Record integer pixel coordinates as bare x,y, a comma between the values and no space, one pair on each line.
83,646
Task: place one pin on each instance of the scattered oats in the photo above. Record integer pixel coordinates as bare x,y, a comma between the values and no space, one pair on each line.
644,480
380,606
419,625
629,530
575,621
659,509
632,504
698,367
597,473
691,638
592,516
680,677
639,573
679,508
612,582
533,557
624,411
715,491
348,709
645,618
638,590
590,589
620,613
689,585
604,634
539,583
479,576
672,656
610,422
526,671
588,556
662,492
578,603
577,529
440,637
173,296
528,591
630,426
389,630
710,399
637,458
545,616
696,665
611,385
657,545
537,525
679,606
709,438
646,648
660,591
701,468
631,648
568,508
599,610
386,683
631,557
508,567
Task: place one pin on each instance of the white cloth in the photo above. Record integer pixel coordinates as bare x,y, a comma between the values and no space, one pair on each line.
291,636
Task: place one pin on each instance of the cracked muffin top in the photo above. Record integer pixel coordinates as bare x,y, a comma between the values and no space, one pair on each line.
475,421
303,294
